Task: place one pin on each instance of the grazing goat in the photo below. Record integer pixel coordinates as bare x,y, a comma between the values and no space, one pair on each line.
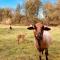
20,38
10,27
42,38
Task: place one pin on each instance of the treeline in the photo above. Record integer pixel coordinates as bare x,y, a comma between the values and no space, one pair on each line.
53,13
31,8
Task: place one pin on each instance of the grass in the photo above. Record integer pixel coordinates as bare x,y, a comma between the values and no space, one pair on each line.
10,50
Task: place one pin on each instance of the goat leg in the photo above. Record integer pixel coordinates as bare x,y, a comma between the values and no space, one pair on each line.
39,57
46,53
40,53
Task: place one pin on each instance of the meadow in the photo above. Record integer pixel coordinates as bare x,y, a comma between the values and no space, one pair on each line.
10,50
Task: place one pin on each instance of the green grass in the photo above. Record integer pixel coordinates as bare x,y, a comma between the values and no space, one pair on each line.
10,50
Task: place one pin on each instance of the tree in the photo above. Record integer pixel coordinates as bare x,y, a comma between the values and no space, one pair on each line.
58,4
52,13
18,8
1,15
32,6
7,13
16,17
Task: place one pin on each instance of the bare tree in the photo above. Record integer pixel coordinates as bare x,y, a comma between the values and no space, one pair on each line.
16,17
32,6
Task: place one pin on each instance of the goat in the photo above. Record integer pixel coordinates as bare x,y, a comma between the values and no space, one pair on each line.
42,38
10,27
20,38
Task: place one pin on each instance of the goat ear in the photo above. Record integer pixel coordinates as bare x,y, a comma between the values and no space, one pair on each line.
30,28
46,28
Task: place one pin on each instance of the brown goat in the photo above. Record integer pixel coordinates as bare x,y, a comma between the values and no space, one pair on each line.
20,38
42,38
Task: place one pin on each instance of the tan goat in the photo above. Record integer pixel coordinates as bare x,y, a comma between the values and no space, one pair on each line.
20,38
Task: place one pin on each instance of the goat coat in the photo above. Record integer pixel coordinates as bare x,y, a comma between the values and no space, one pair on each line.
46,40
42,35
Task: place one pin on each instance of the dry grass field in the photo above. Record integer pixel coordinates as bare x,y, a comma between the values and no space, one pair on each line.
10,50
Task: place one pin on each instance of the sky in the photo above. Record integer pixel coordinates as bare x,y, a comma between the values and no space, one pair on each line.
10,3
52,1
13,3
